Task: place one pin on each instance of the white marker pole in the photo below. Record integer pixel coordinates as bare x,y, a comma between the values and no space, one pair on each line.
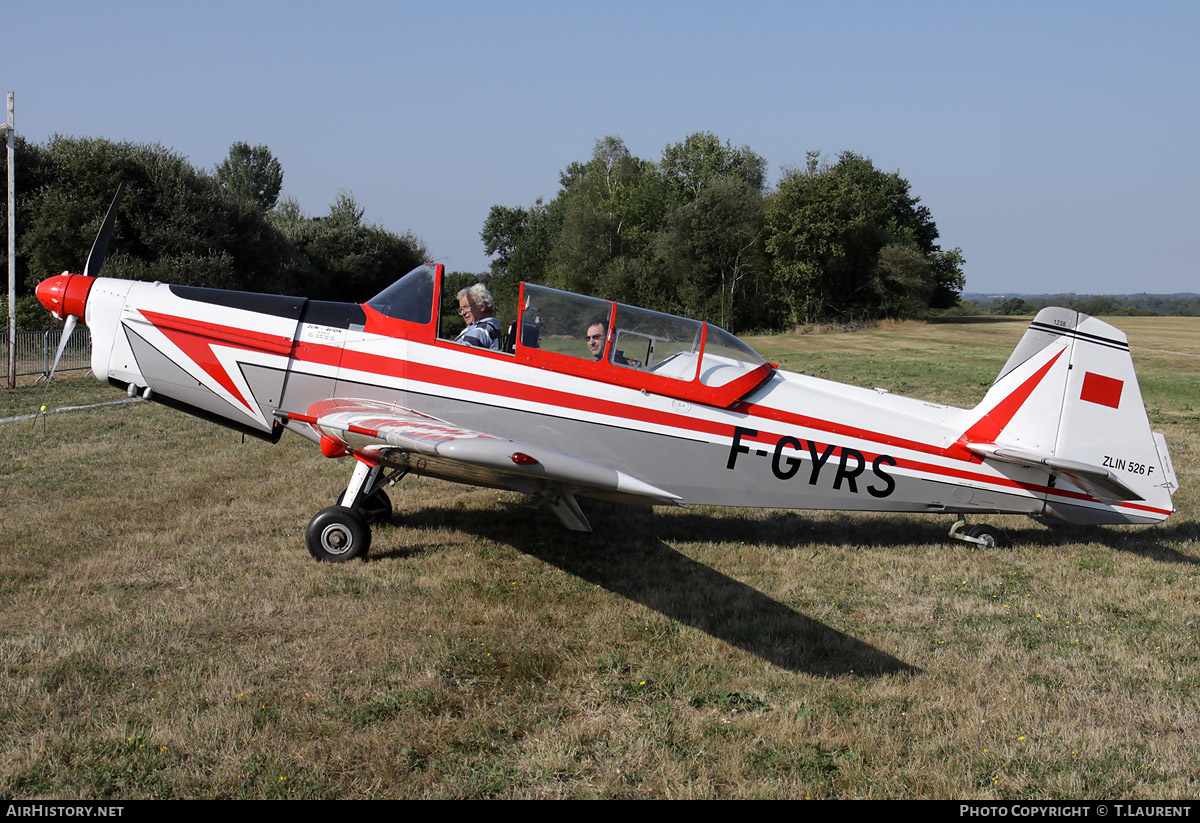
11,136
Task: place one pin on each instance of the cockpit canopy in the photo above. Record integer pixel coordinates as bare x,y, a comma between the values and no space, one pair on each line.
590,337
634,339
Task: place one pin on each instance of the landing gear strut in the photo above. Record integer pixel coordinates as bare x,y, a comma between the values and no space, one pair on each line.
982,535
377,509
343,532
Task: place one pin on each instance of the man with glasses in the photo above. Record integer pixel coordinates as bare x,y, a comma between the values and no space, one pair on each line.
475,304
597,332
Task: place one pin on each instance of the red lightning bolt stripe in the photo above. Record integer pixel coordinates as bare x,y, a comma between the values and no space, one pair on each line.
988,427
196,339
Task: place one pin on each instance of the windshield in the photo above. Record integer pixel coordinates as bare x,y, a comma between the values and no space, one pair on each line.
409,298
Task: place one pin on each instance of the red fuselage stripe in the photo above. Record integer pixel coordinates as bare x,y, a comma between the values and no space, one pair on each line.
228,335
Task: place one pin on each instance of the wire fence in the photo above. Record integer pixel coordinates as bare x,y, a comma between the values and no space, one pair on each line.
35,351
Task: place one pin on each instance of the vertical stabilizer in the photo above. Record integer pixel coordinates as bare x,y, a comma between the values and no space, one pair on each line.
1068,401
1023,407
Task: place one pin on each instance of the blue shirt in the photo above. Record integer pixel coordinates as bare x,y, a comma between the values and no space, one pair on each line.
485,334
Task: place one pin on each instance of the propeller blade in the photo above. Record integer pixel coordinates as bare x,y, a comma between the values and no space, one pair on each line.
100,245
68,327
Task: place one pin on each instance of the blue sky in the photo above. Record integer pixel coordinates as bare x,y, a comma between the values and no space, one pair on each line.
1055,142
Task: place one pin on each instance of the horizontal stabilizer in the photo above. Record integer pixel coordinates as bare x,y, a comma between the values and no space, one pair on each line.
1095,480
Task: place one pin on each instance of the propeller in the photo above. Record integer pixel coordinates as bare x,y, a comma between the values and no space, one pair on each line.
68,327
66,295
100,245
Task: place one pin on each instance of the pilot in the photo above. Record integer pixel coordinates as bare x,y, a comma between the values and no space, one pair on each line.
475,304
597,332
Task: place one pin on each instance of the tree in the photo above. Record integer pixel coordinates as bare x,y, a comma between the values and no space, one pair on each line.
902,280
641,232
344,211
176,224
347,260
710,247
701,161
850,241
695,234
179,225
252,172
710,244
1012,306
610,209
521,240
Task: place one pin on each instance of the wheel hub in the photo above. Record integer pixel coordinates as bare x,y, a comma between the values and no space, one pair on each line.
336,539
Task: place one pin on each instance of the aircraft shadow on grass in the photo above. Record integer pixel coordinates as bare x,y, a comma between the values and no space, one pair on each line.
1159,544
785,528
685,590
646,570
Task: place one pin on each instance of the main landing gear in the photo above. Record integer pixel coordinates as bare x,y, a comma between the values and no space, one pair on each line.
982,535
343,532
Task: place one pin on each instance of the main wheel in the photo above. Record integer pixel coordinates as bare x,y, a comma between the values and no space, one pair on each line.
992,537
338,534
376,509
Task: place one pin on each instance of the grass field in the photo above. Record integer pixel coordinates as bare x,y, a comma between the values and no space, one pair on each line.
164,633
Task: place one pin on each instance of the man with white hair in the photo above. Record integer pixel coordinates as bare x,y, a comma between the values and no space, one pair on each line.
476,306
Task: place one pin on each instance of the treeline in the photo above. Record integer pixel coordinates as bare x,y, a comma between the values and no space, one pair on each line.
698,233
225,229
1116,305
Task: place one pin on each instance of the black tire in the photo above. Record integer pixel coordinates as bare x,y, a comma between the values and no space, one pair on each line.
338,534
993,538
376,509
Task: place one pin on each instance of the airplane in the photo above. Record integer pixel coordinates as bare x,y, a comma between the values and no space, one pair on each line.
673,411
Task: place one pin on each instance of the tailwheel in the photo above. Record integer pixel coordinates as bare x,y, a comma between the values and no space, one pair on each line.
982,535
989,536
338,534
376,509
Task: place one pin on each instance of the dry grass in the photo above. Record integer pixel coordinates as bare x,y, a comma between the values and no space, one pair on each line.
163,632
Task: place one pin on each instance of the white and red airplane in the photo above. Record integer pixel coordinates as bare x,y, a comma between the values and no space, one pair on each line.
674,411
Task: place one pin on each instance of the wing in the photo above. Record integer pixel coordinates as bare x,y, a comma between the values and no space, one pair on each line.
425,445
